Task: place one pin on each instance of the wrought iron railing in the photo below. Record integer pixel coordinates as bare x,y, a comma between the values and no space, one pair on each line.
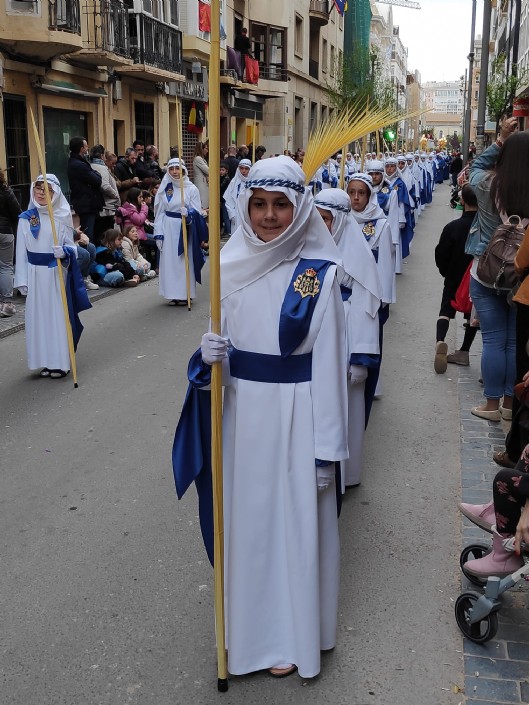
272,72
155,43
63,15
106,26
321,6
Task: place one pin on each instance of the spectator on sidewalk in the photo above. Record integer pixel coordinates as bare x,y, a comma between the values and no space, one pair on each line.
500,181
151,162
133,212
9,212
456,165
224,183
452,263
144,174
110,265
85,186
109,189
132,254
125,173
201,172
232,161
86,255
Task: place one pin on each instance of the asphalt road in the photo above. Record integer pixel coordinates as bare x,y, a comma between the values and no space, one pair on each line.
105,590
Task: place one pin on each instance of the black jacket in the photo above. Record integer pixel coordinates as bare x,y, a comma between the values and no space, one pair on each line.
9,211
85,186
233,165
456,165
450,256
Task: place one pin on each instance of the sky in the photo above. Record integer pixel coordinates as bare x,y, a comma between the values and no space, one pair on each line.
437,36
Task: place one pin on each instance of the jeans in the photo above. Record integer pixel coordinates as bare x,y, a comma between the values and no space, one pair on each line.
112,279
85,257
225,219
7,248
498,329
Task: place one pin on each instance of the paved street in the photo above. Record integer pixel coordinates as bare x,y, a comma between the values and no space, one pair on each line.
105,590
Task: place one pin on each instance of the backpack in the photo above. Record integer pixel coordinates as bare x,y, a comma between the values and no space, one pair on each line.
496,264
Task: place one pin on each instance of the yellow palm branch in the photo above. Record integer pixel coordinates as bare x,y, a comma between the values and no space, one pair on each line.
346,126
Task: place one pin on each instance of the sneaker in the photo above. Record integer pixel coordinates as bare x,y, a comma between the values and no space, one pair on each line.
459,357
89,284
7,309
150,274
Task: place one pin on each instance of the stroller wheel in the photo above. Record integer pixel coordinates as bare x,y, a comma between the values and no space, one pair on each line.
481,631
470,553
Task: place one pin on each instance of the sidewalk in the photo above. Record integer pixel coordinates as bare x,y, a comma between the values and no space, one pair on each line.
498,671
15,323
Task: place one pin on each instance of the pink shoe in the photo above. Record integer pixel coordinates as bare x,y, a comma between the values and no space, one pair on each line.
500,562
482,515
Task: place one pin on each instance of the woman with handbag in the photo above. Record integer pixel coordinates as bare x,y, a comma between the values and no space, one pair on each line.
500,180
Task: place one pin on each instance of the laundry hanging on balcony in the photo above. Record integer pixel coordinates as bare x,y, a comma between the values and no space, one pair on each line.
252,70
195,123
204,16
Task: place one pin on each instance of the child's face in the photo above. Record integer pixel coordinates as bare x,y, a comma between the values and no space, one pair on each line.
118,241
223,171
147,200
270,214
245,170
326,217
358,192
133,234
174,171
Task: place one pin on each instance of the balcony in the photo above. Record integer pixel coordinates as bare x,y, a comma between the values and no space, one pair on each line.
41,36
314,69
105,32
155,48
319,12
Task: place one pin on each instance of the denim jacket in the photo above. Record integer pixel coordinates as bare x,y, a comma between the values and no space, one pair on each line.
487,218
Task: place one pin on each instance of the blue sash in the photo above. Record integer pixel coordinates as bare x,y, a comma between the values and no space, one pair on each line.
33,217
346,292
274,369
383,199
197,233
299,303
76,295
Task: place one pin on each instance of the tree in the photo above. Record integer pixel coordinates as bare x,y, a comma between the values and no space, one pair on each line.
502,88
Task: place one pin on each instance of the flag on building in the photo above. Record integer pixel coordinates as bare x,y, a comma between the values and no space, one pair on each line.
341,6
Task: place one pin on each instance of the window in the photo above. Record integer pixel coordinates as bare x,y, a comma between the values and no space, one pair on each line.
298,36
144,122
333,60
324,58
269,48
313,116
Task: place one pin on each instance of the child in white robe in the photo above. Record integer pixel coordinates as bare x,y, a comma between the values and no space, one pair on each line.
361,293
168,213
36,276
285,406
231,195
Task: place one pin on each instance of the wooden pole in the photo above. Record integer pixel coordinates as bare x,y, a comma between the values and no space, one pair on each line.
69,334
216,381
378,143
342,167
182,197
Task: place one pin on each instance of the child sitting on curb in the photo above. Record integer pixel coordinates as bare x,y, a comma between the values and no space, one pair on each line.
110,266
132,254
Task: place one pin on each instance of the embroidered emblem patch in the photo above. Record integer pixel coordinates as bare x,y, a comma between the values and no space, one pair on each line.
369,229
34,221
169,192
307,284
385,189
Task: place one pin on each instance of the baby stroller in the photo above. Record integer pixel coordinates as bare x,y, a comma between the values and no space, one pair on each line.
477,613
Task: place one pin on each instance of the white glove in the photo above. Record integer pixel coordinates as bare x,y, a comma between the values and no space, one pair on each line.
58,252
184,212
324,476
23,290
213,347
357,373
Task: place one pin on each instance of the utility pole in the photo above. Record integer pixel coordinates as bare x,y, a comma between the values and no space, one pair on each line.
483,78
468,114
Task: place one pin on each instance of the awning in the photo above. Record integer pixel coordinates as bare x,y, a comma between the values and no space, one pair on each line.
72,89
